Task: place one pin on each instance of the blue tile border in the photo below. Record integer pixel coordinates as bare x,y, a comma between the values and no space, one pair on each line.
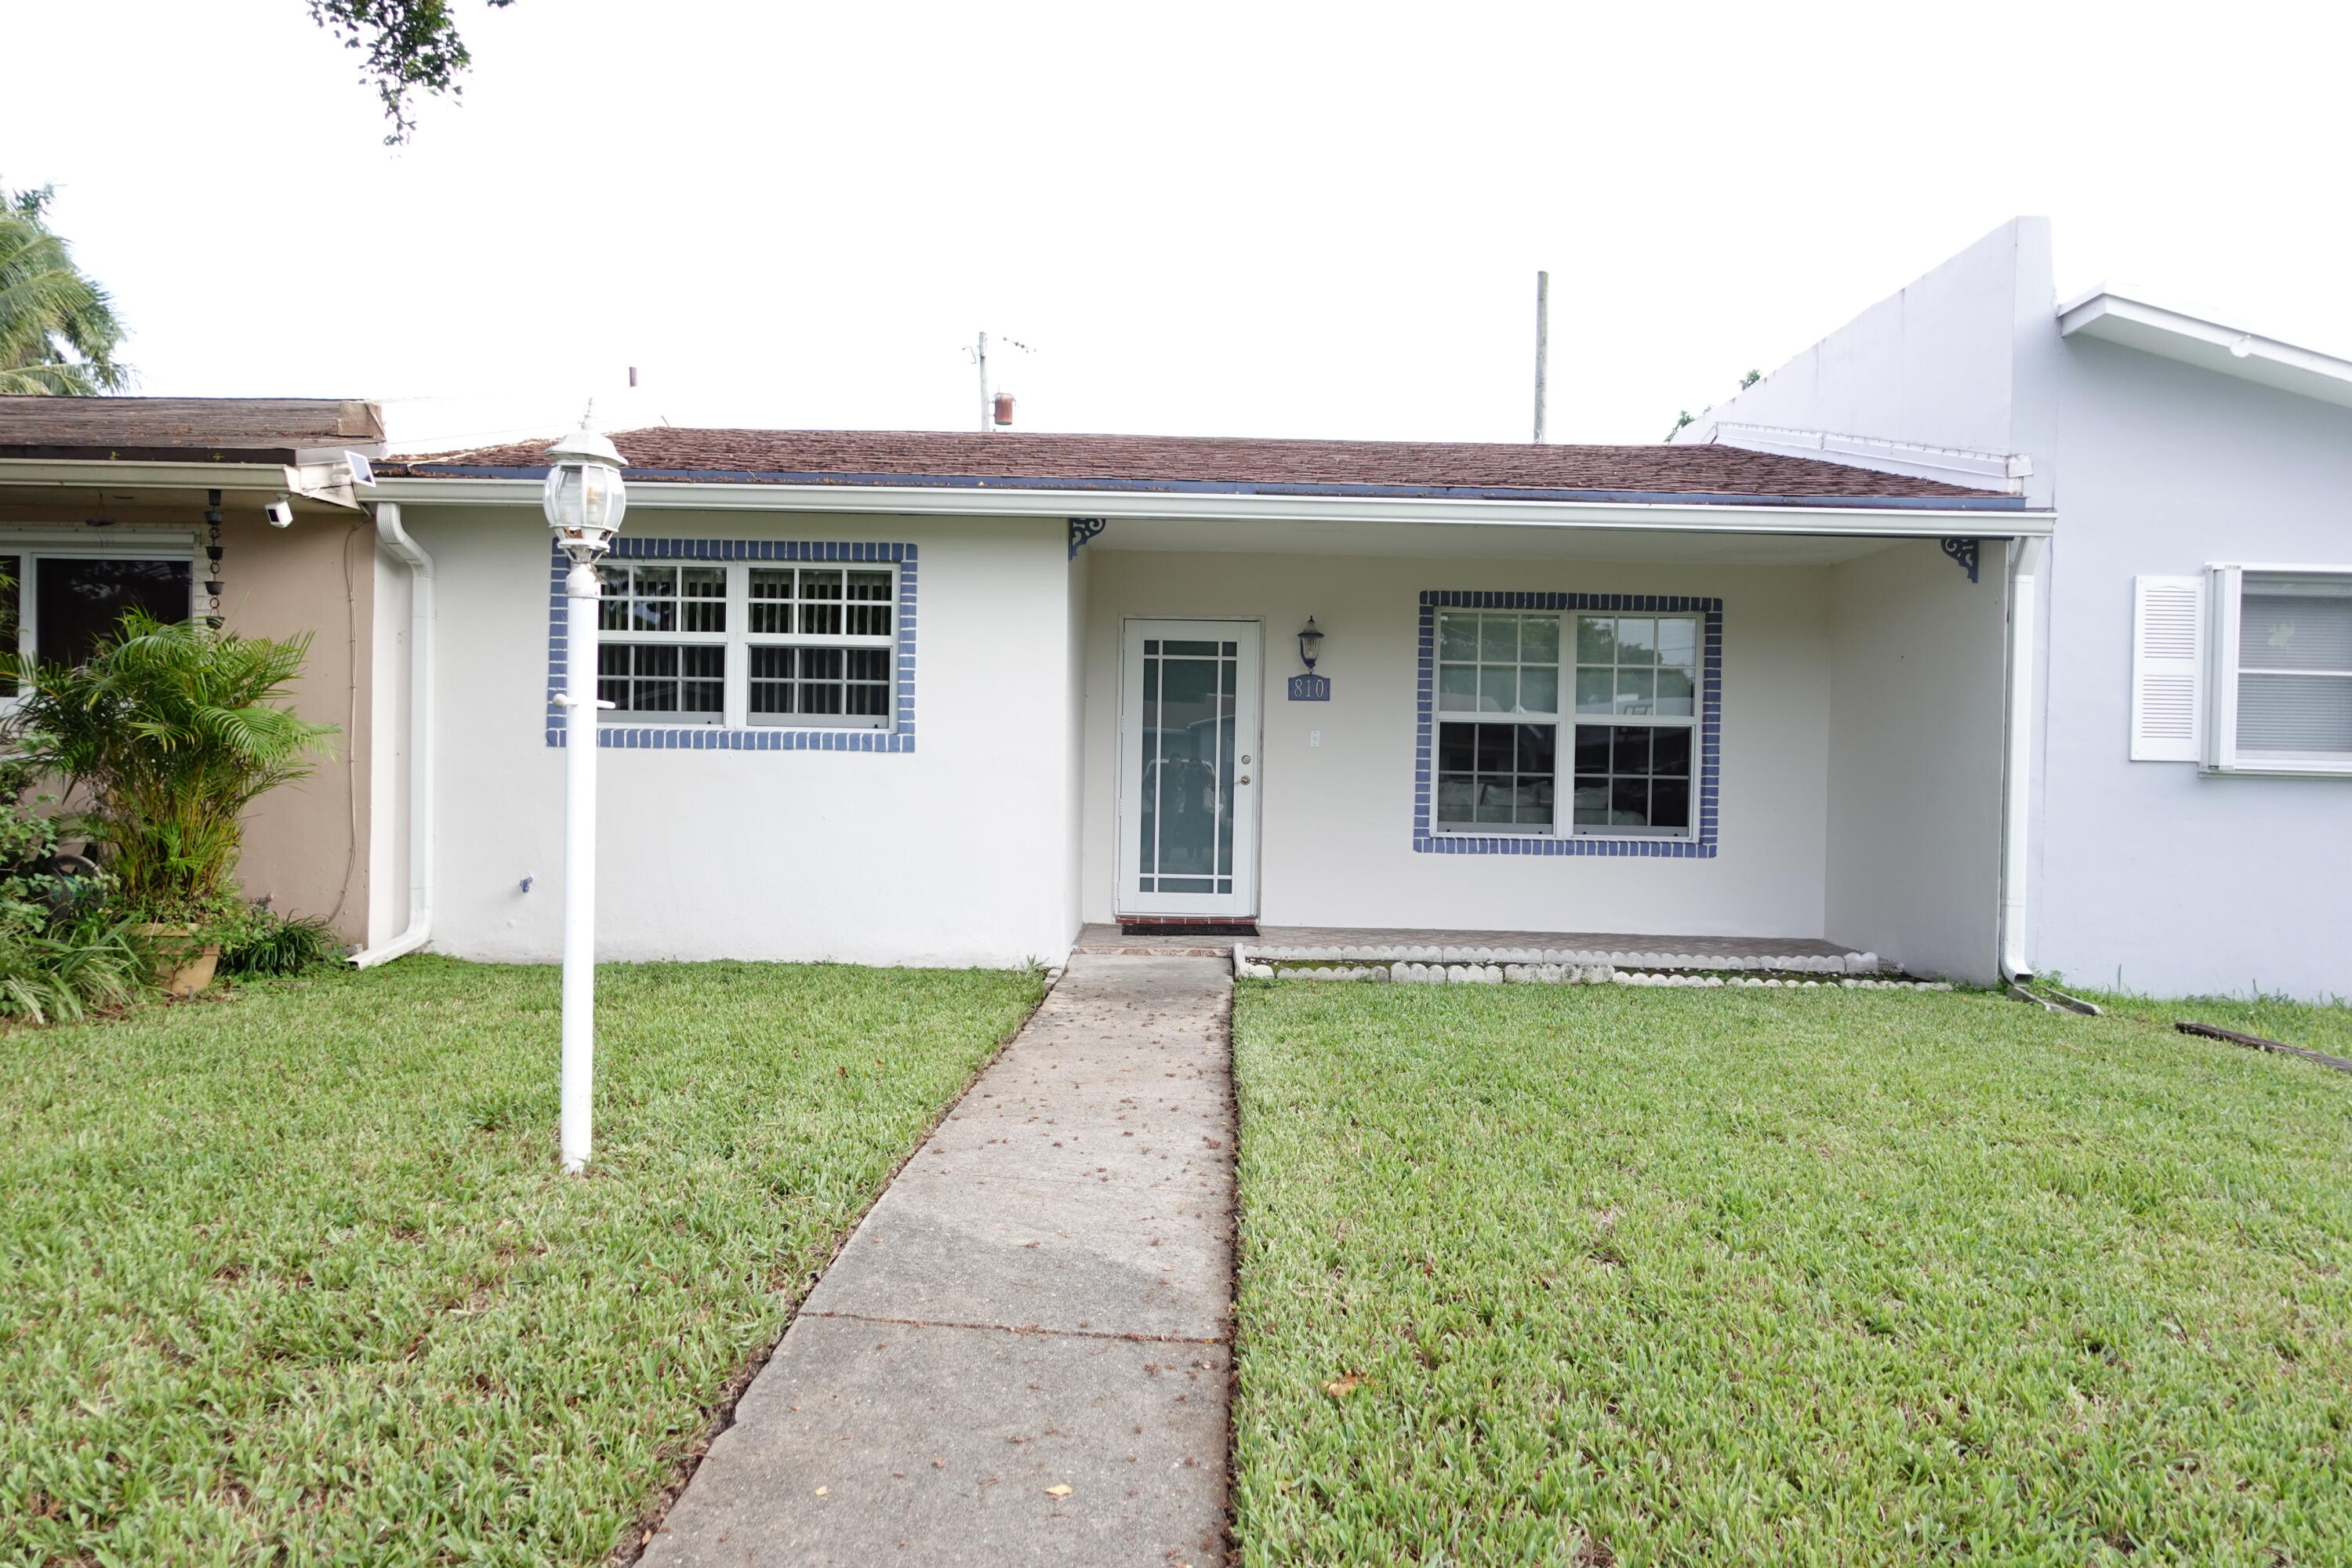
899,736
1710,728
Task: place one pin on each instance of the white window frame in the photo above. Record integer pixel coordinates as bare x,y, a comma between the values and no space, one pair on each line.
59,544
1564,722
738,640
2224,605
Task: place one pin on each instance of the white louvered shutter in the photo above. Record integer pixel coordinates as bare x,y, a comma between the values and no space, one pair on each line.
2168,622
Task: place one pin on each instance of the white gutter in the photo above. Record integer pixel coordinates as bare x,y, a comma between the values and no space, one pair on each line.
420,845
2025,559
980,500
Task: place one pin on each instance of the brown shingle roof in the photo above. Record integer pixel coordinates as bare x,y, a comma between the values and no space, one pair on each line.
260,428
1185,462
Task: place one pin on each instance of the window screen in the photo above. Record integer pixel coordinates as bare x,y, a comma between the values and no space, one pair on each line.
1632,687
2294,665
751,645
668,680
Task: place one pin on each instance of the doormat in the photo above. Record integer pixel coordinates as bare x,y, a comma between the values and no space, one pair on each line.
1188,928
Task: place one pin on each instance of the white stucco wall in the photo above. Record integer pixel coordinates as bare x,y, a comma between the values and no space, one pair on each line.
1915,760
954,854
1935,364
2147,875
1338,818
2153,876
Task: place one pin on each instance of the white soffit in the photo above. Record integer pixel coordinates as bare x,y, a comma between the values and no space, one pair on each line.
2209,345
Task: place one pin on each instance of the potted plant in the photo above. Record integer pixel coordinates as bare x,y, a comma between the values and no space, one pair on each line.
163,739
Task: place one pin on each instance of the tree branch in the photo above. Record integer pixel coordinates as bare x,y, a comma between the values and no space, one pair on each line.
411,45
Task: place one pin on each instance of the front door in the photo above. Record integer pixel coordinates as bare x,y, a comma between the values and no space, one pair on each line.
1188,748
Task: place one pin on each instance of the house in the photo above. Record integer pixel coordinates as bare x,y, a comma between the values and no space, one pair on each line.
2189,802
945,698
165,504
1825,667
936,698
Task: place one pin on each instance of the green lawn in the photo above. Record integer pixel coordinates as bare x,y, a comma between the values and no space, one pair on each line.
2328,1029
291,1277
1738,1277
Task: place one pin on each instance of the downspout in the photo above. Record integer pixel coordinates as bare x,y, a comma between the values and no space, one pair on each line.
2025,558
390,535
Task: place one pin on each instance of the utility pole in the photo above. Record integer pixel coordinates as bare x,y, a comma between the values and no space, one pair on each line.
1543,347
985,410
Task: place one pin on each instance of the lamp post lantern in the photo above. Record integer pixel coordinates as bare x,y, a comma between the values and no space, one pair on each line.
584,501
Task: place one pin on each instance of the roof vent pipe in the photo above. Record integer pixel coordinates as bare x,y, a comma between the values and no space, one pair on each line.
1003,409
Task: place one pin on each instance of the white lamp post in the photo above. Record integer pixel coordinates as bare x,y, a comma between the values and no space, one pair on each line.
585,501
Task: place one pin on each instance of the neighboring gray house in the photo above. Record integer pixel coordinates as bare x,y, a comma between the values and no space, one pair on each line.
2189,809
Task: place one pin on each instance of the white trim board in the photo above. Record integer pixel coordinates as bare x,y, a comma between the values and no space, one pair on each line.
927,500
1950,465
2209,345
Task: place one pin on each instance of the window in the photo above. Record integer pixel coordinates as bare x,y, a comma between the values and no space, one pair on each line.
2294,667
743,644
1633,685
66,602
2244,670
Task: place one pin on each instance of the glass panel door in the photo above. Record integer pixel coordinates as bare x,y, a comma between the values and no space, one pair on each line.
1188,745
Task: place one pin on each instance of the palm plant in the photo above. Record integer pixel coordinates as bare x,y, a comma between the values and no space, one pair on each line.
168,733
57,328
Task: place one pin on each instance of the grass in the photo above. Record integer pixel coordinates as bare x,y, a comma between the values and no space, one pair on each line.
1589,1275
2327,1029
293,1276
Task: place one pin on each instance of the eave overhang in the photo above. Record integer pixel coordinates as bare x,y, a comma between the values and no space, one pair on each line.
306,475
2209,345
1906,517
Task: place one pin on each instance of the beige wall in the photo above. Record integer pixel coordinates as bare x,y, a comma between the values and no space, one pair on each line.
305,844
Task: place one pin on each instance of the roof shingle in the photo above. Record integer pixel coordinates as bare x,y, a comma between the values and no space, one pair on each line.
265,429
1172,462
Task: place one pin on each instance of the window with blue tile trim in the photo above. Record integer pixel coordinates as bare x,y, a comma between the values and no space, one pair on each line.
748,644
1567,724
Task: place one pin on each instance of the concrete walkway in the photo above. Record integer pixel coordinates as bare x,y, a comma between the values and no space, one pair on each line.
1023,1354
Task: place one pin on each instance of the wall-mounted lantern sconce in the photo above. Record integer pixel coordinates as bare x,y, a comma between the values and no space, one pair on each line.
1310,643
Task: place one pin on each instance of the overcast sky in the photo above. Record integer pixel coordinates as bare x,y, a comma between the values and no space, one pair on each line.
1265,219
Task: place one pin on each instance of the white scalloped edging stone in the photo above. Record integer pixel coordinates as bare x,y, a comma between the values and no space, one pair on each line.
1530,966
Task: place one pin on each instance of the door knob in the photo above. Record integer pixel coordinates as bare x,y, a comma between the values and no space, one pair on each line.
1243,779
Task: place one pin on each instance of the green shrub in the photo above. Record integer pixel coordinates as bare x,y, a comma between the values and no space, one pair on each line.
261,942
61,974
170,731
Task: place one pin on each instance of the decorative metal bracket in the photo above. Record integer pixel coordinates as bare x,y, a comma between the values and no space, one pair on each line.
1963,551
1085,528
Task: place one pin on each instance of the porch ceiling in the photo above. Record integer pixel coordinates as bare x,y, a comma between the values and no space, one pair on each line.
1455,541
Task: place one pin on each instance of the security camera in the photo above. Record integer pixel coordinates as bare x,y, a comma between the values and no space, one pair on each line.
281,512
